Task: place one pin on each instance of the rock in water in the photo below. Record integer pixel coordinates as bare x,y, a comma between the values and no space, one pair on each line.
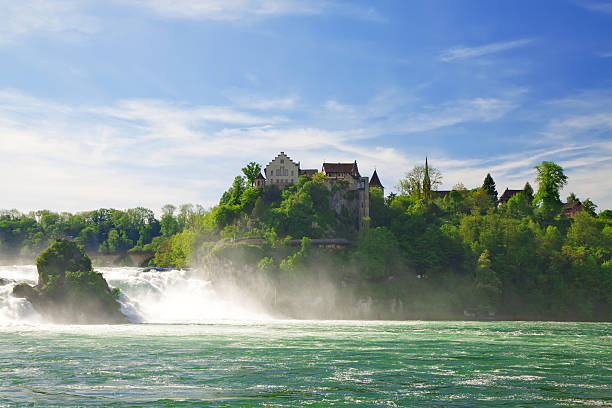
69,290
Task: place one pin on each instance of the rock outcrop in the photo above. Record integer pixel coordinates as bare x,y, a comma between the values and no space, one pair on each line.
69,290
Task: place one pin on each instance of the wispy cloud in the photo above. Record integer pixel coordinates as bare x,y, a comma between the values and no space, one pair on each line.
73,19
599,6
393,113
463,52
150,152
19,19
605,55
239,10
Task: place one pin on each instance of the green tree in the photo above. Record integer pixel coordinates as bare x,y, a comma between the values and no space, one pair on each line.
169,225
528,192
571,199
168,209
551,180
251,171
481,201
488,285
412,182
518,207
589,207
489,186
377,253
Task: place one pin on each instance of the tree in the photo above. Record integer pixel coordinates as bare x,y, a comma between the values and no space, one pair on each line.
168,209
169,225
518,207
585,231
571,199
481,201
488,284
589,207
412,183
251,171
550,180
528,192
377,253
489,186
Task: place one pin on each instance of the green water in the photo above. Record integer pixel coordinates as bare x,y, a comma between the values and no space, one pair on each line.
308,364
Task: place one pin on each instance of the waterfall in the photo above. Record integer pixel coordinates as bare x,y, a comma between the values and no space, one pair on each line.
171,297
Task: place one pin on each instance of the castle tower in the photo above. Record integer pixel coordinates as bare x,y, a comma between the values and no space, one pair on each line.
375,182
260,181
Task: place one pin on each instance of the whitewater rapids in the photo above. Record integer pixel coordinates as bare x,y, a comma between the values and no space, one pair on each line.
170,297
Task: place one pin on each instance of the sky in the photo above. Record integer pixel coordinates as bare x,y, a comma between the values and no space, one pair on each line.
126,103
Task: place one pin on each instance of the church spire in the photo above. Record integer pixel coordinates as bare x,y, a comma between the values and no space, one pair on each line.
426,182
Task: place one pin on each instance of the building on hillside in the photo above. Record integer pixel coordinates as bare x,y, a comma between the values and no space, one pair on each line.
282,171
340,170
375,182
355,197
506,196
308,172
570,209
351,197
260,181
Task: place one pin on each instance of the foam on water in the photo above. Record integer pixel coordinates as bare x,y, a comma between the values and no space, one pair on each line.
175,296
13,310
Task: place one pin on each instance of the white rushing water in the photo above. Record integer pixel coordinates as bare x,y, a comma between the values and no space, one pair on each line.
174,296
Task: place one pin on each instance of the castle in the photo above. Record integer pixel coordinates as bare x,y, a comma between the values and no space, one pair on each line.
354,196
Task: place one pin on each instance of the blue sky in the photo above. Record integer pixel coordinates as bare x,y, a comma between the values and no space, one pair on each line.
146,102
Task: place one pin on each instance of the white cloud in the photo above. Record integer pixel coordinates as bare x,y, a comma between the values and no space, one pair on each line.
402,115
151,152
73,19
239,10
463,52
22,18
257,102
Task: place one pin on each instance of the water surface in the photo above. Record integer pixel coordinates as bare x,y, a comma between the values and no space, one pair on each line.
257,361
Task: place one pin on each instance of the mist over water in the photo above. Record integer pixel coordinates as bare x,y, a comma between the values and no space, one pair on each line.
171,297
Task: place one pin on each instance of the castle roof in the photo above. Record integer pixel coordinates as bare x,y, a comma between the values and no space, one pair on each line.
308,172
348,168
375,181
259,177
282,155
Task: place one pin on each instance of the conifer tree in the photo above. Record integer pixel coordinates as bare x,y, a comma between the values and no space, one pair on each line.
489,187
528,192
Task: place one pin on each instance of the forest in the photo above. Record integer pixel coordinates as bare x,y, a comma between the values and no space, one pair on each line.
442,255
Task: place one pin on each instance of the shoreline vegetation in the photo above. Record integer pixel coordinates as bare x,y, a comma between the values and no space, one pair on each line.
423,255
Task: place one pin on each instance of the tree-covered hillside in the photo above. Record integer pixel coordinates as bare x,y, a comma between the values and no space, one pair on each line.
520,259
437,254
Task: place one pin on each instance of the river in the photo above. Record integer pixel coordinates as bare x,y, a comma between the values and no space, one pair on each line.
190,347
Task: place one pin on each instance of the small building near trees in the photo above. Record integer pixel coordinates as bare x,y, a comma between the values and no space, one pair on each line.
506,196
571,209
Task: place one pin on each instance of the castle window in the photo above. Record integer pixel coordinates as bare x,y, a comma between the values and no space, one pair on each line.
282,161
